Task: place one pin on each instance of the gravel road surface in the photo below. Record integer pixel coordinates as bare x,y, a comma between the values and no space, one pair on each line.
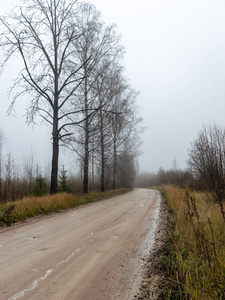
94,252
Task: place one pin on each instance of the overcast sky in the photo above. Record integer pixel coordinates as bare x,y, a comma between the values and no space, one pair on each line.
175,58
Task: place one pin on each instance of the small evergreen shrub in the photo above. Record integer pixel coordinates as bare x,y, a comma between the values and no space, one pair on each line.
39,188
64,186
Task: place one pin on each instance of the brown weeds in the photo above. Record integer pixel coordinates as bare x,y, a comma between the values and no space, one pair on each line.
20,210
196,243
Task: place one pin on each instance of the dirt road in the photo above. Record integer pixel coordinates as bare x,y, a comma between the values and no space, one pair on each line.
93,252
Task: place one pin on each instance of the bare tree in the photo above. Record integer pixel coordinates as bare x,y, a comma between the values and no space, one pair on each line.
207,161
118,124
87,45
103,137
43,33
1,146
125,123
8,170
127,165
100,43
29,170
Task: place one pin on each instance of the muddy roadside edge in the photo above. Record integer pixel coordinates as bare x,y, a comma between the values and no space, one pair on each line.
153,274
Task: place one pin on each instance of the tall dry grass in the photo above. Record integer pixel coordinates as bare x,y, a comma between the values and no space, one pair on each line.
195,253
20,210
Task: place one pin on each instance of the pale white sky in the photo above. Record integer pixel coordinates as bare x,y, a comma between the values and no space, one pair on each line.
175,57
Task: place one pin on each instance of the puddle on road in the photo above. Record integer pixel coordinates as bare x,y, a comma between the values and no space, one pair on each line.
31,238
142,252
147,244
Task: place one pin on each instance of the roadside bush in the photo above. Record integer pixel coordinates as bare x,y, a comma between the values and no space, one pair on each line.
6,216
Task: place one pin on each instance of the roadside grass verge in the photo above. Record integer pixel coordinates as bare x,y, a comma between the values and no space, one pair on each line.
28,207
194,256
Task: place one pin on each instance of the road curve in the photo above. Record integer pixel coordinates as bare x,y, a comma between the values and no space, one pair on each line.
90,253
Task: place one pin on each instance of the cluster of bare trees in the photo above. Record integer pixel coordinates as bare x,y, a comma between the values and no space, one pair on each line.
207,162
206,167
17,180
73,76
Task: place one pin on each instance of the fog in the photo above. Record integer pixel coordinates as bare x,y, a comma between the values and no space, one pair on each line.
175,58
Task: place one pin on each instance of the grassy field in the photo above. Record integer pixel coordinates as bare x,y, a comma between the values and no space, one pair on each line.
194,260
28,207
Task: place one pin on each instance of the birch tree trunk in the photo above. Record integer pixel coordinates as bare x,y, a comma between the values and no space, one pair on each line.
86,147
102,153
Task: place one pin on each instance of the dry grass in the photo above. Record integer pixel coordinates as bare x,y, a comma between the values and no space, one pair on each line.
195,260
20,210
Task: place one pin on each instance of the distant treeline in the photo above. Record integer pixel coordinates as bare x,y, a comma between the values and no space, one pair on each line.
177,177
